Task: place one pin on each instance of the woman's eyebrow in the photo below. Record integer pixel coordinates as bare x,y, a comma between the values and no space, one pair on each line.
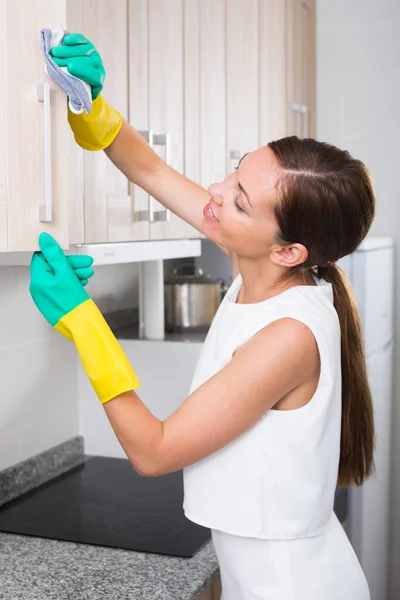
240,185
245,193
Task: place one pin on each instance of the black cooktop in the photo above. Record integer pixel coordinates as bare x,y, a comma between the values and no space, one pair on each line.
105,502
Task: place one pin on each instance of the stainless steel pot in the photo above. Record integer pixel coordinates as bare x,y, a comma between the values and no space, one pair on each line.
191,298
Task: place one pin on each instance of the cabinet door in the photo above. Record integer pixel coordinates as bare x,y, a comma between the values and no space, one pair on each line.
273,80
301,67
205,151
166,102
242,80
212,591
191,75
138,92
108,211
235,82
212,91
76,162
156,76
35,143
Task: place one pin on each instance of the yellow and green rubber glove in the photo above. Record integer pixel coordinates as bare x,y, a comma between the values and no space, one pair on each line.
94,131
63,301
82,60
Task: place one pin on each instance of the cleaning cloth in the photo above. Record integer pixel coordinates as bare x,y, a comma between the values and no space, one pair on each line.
78,91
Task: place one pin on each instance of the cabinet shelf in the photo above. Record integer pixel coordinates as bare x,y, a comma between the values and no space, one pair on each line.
127,252
117,253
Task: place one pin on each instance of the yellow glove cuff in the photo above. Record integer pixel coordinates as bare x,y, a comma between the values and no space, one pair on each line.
102,357
96,131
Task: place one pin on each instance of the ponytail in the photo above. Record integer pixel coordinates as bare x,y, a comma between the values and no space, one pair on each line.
326,202
357,433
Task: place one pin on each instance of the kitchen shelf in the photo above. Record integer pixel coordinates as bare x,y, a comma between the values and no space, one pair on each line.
120,252
131,332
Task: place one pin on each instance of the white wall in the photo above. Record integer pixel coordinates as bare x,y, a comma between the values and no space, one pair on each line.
46,398
39,400
115,287
165,371
39,368
358,89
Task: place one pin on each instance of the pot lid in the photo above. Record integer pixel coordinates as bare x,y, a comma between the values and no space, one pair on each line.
188,273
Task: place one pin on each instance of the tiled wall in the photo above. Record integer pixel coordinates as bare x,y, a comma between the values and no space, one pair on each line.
39,368
358,89
39,404
165,371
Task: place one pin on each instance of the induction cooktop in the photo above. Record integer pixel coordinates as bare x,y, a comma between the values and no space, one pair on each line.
105,502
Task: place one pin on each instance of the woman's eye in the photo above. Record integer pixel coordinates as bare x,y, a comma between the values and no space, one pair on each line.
238,208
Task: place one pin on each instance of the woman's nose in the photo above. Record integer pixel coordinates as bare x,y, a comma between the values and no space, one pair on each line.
216,193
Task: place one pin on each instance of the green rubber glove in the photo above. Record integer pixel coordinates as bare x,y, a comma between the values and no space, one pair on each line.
57,289
82,60
81,264
64,303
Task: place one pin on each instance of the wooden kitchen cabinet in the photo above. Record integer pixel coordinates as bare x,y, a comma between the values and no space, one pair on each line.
212,591
300,68
247,62
141,43
205,81
257,78
273,70
35,143
205,91
242,79
107,200
156,96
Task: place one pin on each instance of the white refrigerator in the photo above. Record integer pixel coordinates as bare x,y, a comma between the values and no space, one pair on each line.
371,273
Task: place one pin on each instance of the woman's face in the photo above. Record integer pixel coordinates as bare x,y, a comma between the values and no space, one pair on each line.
239,215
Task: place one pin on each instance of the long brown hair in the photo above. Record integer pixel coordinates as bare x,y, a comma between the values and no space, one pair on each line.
327,203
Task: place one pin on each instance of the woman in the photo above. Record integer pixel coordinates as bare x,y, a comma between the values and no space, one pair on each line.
279,409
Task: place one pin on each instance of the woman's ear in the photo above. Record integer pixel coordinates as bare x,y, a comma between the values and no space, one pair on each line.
289,256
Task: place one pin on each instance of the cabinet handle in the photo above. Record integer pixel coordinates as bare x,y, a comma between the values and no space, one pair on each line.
162,139
46,209
300,110
234,158
305,120
145,215
153,215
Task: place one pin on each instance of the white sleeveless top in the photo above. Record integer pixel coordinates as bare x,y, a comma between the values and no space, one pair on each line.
278,479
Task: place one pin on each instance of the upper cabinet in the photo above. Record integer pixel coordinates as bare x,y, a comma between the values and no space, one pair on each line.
204,81
35,142
243,79
300,68
248,79
156,98
107,202
143,58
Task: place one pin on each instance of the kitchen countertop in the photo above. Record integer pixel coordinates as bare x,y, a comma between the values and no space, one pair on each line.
39,569
125,326
131,332
34,568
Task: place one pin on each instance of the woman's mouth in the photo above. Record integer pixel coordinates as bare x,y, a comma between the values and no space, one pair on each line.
208,213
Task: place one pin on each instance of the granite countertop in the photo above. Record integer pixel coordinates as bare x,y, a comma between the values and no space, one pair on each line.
40,569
